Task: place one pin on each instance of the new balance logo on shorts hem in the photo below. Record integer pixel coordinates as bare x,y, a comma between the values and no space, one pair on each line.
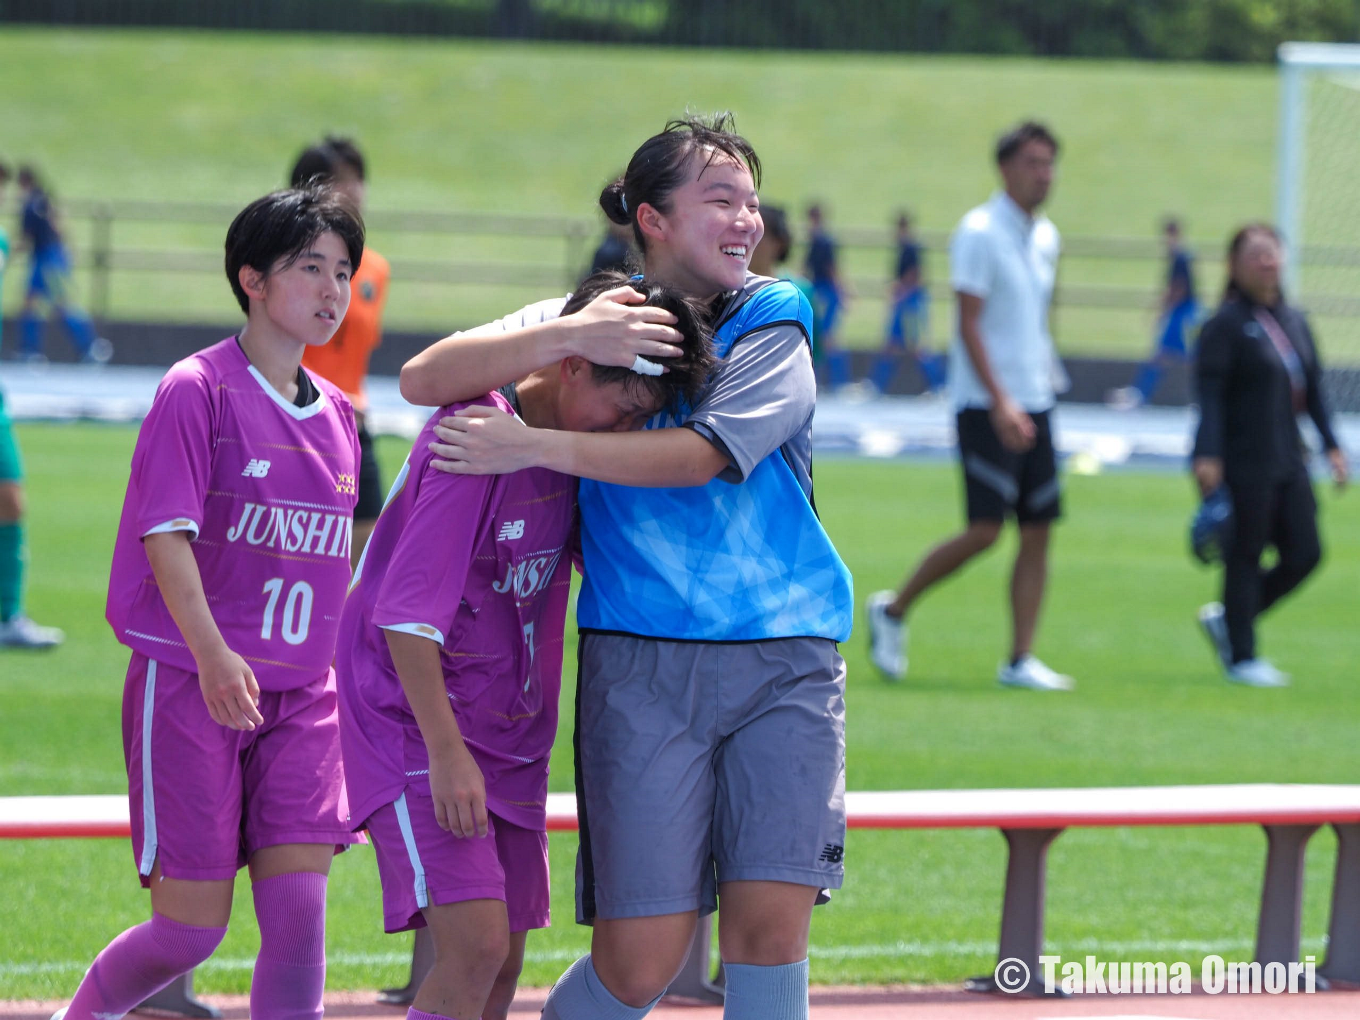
832,853
511,529
256,469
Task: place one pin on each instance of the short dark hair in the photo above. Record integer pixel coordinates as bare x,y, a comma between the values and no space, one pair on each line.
28,177
5,173
1029,131
1171,225
659,165
777,231
282,225
325,160
688,374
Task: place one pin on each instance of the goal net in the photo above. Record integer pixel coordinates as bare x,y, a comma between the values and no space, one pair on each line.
1318,201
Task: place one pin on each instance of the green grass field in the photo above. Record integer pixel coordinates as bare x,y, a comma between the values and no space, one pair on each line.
536,129
917,906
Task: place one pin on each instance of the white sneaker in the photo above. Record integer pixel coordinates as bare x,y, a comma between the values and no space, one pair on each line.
887,637
21,632
1126,398
60,1014
860,392
1031,673
1215,627
1257,673
101,350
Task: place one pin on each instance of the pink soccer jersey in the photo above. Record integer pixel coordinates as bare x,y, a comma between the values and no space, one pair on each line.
481,565
266,491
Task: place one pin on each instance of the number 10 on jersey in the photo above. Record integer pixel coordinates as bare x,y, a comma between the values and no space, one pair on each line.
297,611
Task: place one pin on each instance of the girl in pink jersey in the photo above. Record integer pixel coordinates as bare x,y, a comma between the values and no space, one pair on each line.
450,662
228,576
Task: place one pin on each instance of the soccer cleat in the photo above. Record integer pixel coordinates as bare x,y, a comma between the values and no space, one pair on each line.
1032,674
887,637
1257,673
60,1014
21,632
1215,627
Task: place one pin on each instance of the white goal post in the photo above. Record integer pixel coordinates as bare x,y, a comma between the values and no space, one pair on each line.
1317,200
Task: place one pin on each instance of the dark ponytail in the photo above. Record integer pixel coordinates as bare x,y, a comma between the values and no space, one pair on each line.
661,163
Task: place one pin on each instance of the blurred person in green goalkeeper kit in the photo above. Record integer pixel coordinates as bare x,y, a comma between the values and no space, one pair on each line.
16,629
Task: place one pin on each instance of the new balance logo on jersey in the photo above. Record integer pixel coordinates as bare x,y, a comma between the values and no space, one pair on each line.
832,853
511,529
256,469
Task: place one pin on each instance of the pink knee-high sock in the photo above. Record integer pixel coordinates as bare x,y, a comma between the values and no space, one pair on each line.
290,972
139,963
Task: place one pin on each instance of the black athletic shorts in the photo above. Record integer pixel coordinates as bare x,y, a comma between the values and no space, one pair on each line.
998,482
371,493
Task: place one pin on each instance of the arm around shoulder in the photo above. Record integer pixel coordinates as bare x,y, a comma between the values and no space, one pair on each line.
673,458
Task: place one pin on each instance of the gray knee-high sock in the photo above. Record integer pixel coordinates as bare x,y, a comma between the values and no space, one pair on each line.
766,993
580,995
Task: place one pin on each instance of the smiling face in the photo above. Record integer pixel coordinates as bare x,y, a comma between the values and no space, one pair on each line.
306,298
703,243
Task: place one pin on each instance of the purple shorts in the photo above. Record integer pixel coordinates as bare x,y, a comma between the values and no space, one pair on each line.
422,865
203,797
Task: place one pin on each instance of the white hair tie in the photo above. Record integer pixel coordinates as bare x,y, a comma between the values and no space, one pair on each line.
644,367
623,201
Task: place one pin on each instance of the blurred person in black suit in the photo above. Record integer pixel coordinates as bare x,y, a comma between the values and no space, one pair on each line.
1257,369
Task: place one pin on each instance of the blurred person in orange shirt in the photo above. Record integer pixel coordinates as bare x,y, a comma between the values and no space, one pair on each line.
344,361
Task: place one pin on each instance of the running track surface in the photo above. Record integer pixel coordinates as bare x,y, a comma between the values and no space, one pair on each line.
863,1003
883,428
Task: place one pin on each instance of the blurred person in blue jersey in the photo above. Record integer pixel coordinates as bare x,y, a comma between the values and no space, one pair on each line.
49,282
614,252
1256,370
908,309
1003,372
1178,311
828,297
16,629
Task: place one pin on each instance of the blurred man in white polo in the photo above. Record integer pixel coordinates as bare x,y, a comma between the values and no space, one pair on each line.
1003,261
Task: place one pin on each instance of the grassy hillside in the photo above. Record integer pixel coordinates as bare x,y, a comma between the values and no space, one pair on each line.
536,129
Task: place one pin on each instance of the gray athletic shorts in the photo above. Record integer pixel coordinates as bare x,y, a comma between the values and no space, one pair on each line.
701,763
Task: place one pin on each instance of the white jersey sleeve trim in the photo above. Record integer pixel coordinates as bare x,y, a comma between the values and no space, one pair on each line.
530,315
424,630
178,524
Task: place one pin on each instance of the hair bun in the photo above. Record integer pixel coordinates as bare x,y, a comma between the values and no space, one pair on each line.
613,204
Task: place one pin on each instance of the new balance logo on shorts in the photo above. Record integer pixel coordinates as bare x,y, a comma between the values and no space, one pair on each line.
256,469
511,529
832,853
